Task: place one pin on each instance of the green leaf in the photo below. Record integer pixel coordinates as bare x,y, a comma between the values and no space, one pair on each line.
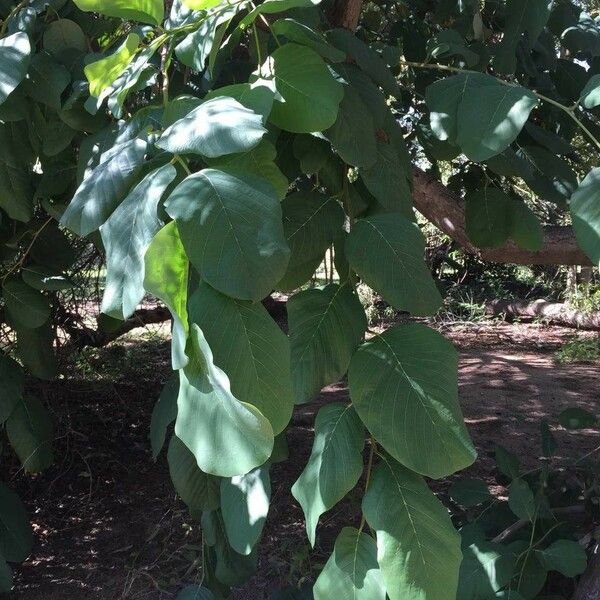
298,32
259,161
418,549
35,348
335,464
15,54
311,222
163,414
310,95
488,217
12,381
104,72
201,4
274,6
166,269
387,252
250,347
195,592
548,440
590,96
326,325
62,35
256,97
44,278
145,11
486,568
565,556
403,384
470,492
478,113
528,18
577,418
352,570
30,433
230,225
353,133
6,580
521,500
526,229
16,538
507,463
245,504
126,237
102,191
197,489
216,127
25,306
46,80
585,213
227,437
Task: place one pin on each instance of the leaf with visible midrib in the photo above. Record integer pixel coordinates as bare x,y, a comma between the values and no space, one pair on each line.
227,437
151,12
403,385
250,347
352,570
334,466
126,236
387,252
418,549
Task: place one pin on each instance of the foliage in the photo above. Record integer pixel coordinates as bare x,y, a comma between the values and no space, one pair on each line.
578,350
168,140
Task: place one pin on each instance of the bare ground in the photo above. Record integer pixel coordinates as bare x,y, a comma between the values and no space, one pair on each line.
108,525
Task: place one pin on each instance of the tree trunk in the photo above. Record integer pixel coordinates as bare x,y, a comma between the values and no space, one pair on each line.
553,312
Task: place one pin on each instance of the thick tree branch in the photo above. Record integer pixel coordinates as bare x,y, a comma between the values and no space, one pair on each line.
447,212
345,13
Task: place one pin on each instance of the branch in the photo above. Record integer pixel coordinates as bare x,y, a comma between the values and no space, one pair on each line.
345,13
447,212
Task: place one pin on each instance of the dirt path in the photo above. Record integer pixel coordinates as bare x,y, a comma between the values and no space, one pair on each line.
108,525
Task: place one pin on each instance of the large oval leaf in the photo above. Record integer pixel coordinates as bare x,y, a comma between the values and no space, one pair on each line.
404,387
352,570
387,251
249,346
418,549
585,212
230,225
15,53
310,94
216,127
227,437
25,306
334,466
145,11
126,236
326,326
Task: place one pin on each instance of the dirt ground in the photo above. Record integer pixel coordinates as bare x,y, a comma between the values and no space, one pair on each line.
108,525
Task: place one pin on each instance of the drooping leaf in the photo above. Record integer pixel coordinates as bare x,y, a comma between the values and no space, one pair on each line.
216,127
199,490
352,570
585,213
326,325
565,556
62,35
387,251
418,549
478,113
245,504
249,346
12,381
43,278
335,464
230,225
163,414
470,492
126,237
310,94
101,192
521,500
103,73
227,437
403,384
25,306
577,418
166,269
146,11
311,222
16,538
15,54
29,429
527,18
